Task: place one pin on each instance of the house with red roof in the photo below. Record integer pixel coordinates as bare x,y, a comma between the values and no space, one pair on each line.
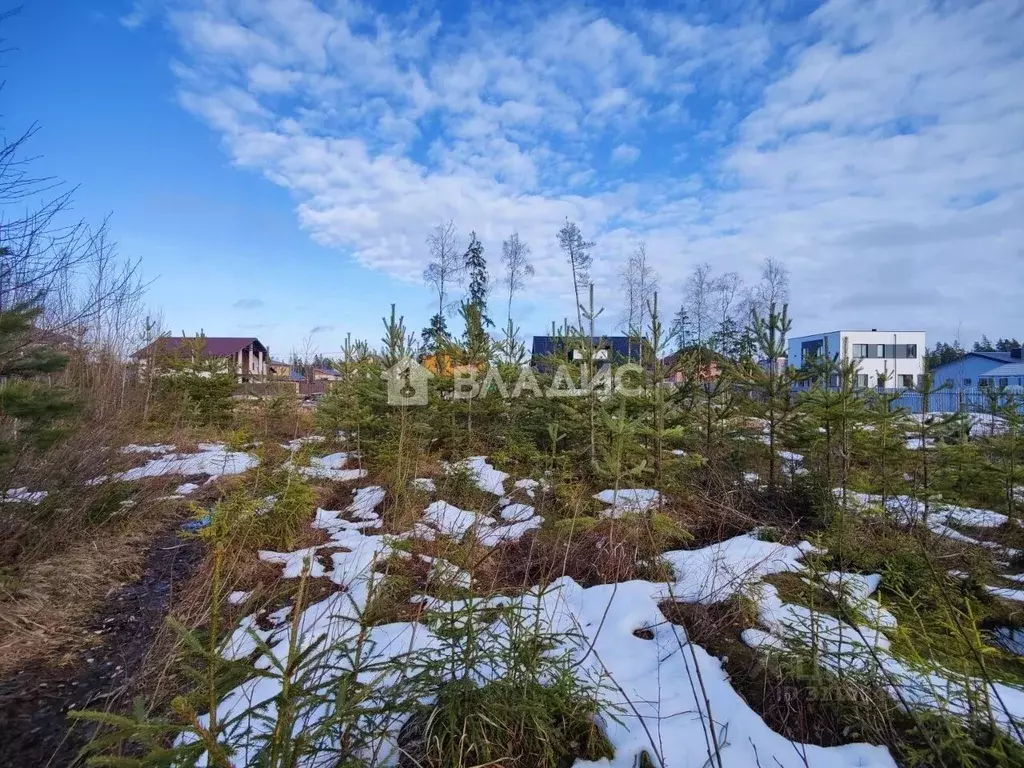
246,355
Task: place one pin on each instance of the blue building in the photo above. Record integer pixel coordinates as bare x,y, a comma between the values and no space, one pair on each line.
969,370
611,349
1010,376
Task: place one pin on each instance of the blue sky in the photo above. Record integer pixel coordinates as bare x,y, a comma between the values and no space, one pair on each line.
278,165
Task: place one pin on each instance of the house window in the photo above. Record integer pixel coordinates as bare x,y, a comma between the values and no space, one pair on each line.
879,350
1003,381
967,382
907,379
862,380
984,383
911,351
860,351
811,349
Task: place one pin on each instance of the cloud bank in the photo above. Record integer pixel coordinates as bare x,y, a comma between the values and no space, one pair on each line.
877,148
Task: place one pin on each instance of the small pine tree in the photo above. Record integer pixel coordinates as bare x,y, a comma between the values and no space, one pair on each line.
1006,449
772,382
435,335
884,444
204,384
836,409
33,413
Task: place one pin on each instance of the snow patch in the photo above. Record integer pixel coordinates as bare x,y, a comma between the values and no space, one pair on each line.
213,459
23,495
424,484
719,571
486,477
628,500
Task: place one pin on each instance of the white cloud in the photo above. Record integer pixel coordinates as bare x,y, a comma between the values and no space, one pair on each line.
625,154
871,145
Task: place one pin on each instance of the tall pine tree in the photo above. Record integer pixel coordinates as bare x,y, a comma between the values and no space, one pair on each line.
476,267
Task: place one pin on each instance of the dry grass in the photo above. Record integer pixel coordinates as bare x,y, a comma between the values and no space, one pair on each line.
45,616
789,705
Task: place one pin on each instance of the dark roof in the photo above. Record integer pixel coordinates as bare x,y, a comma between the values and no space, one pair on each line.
999,357
620,345
329,371
214,346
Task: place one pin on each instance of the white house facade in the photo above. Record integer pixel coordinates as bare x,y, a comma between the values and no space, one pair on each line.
897,357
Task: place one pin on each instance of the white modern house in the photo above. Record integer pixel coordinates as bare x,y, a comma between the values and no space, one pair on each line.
898,356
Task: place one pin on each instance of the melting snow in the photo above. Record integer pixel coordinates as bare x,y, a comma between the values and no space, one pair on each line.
719,571
486,476
1010,639
492,537
657,705
297,443
295,563
627,500
842,647
212,459
531,486
1016,595
133,448
648,712
23,495
456,523
365,502
517,512
330,467
452,521
424,484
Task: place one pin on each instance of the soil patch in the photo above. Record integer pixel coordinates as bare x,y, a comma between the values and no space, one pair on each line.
35,700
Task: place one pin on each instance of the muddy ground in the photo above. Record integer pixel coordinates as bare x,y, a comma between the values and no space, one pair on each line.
34,701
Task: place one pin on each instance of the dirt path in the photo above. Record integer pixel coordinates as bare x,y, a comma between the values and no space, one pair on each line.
34,729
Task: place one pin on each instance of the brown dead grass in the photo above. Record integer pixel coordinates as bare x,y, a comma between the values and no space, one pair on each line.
785,705
591,552
45,615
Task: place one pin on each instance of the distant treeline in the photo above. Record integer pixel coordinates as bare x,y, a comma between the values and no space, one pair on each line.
943,353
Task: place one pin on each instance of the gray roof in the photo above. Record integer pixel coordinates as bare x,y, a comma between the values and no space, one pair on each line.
1002,357
1005,371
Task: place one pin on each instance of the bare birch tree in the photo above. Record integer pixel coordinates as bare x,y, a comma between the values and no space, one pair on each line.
446,266
443,273
577,251
515,255
726,290
699,288
772,289
639,283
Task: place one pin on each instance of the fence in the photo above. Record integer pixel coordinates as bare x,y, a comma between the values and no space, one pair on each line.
974,400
